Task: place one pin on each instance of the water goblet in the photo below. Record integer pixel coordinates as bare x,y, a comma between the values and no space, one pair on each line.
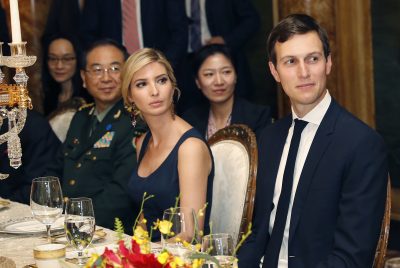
220,246
46,201
79,224
178,225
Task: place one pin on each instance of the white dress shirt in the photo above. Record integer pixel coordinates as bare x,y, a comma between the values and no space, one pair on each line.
205,32
314,118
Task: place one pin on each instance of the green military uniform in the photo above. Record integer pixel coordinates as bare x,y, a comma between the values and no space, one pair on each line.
98,162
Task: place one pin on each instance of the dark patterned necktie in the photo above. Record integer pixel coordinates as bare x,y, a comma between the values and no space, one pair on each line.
271,255
195,33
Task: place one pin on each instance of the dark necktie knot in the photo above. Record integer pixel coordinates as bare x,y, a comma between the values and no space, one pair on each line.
299,125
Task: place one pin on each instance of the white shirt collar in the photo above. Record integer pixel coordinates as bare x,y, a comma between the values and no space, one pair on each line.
316,115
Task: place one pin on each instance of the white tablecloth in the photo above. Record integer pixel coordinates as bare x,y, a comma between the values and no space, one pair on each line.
19,248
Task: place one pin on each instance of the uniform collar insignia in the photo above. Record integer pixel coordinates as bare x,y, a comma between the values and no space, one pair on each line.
117,114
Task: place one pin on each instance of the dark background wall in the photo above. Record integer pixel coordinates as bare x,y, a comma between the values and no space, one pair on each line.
265,87
386,48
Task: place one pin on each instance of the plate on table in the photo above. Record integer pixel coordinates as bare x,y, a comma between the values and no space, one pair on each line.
4,204
29,225
98,235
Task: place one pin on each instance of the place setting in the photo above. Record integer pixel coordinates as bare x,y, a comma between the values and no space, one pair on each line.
75,229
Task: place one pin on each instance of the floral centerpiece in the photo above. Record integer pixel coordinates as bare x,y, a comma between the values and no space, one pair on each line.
137,253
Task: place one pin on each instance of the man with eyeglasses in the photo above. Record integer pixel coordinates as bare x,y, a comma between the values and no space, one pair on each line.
98,155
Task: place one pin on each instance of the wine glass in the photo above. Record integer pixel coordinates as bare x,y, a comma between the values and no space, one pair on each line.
393,263
221,247
79,224
46,201
178,225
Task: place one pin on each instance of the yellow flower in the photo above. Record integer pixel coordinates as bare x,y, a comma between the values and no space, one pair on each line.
140,235
165,227
92,260
177,262
197,263
197,247
163,257
187,245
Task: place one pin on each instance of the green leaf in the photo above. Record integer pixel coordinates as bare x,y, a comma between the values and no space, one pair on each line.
204,256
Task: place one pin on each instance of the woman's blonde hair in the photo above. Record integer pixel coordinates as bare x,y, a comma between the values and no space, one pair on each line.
137,61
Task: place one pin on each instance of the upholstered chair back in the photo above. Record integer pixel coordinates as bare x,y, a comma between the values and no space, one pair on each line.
234,150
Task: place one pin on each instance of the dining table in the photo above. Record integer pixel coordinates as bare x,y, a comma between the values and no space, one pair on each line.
18,247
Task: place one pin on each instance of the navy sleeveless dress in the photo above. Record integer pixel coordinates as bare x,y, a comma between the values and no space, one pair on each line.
163,183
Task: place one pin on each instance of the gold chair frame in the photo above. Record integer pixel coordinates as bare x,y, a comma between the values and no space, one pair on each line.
380,253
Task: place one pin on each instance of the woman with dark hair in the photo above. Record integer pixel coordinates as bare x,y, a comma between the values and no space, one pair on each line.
62,84
60,75
216,78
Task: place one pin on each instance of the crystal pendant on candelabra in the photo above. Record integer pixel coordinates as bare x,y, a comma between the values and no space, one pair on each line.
2,75
13,143
20,77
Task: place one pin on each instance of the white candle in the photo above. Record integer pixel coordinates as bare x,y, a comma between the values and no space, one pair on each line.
15,24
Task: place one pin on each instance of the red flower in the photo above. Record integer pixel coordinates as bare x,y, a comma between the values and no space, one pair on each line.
111,257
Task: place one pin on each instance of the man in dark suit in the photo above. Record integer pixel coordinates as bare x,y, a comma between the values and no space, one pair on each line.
163,24
64,18
322,173
98,155
39,145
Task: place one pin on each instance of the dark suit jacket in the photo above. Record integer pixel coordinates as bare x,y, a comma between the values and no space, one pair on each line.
243,112
164,24
39,145
236,21
64,18
339,203
99,166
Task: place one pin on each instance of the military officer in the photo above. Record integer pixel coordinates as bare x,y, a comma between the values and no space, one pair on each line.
98,156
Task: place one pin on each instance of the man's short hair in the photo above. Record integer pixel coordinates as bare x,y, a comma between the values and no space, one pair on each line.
102,43
291,25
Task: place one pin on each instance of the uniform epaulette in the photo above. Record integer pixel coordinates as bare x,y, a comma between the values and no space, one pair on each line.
86,106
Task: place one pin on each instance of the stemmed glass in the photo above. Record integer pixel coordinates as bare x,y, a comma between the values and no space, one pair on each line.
46,201
79,224
221,247
181,225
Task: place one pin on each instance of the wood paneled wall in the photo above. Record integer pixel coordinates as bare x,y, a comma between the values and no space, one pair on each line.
348,24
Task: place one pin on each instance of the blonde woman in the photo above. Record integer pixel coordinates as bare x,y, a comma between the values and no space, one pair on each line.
173,158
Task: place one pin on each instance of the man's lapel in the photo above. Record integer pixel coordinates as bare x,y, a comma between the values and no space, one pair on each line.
270,154
318,147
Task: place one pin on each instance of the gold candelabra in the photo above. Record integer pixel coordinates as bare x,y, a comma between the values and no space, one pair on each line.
14,100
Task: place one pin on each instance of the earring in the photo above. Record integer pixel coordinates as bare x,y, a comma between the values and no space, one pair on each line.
133,114
173,110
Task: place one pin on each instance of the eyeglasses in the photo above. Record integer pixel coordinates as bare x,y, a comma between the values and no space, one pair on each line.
64,60
98,70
